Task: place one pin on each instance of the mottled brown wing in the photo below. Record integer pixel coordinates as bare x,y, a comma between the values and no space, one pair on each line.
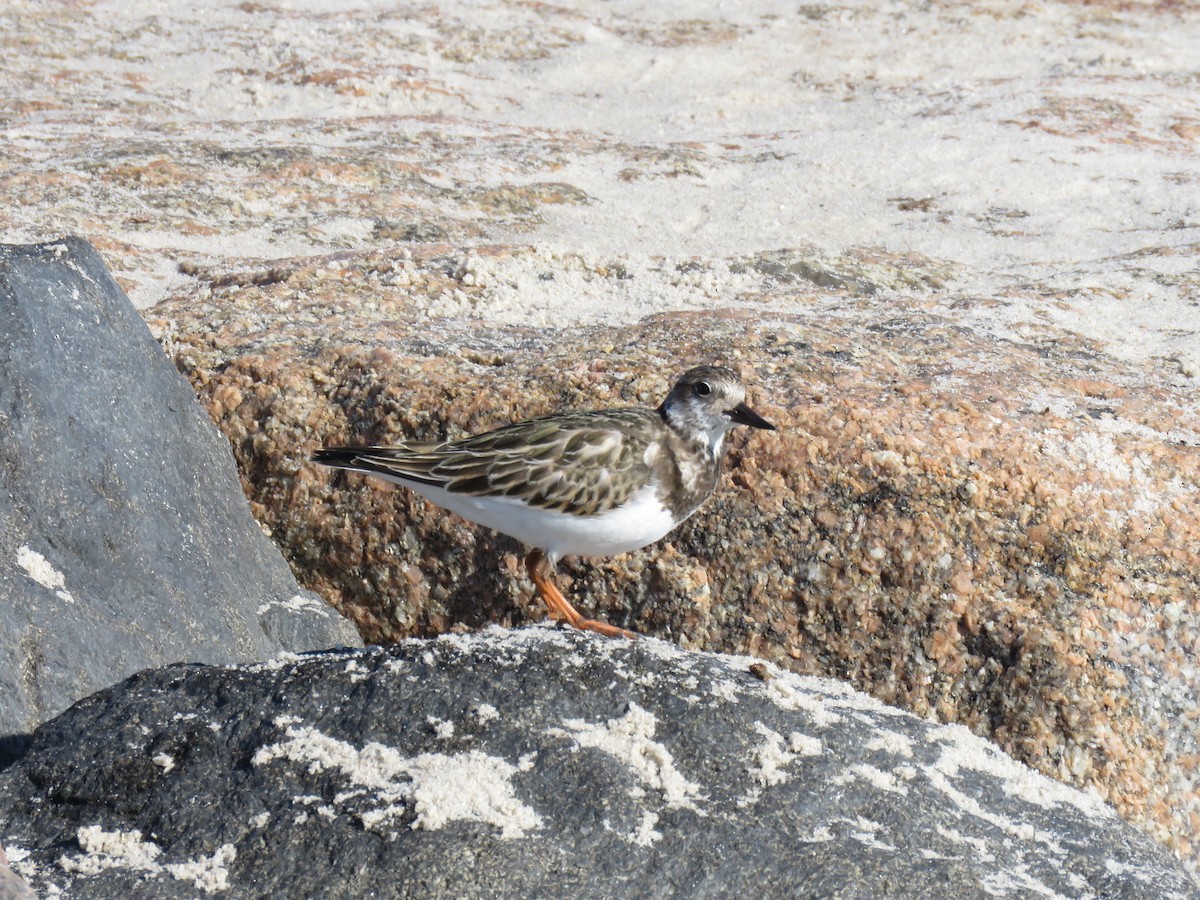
583,463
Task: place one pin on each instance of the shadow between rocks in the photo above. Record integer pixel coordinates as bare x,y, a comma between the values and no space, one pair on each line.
13,748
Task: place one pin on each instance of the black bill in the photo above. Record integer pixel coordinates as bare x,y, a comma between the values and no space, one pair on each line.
744,415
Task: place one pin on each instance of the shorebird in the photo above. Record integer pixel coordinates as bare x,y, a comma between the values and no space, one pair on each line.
594,483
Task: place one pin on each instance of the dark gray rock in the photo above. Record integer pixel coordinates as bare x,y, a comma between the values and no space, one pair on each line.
542,763
127,541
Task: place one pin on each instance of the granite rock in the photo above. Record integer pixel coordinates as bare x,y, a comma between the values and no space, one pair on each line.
974,220
539,763
127,541
996,138
1000,533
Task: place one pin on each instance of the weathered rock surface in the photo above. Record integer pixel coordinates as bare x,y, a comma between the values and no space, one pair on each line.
968,228
1045,155
542,763
1003,534
127,542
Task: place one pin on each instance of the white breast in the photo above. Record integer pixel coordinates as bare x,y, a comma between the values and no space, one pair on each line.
641,521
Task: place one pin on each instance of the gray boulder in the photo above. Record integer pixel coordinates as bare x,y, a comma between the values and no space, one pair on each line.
542,763
127,542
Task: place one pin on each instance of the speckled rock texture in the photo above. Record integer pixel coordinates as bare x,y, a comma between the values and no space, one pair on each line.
539,763
127,542
988,532
954,245
1042,156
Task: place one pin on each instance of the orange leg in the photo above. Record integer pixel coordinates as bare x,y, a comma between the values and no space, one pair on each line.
538,567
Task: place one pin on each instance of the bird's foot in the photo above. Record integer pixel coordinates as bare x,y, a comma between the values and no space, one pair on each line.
538,568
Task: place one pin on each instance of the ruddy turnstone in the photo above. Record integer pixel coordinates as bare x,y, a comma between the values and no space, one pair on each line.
594,483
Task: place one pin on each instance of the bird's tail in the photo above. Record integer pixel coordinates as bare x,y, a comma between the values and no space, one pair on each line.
403,463
338,457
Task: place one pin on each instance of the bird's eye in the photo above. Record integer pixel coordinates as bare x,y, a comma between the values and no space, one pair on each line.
702,389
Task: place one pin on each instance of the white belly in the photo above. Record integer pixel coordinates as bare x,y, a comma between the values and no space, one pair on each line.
641,521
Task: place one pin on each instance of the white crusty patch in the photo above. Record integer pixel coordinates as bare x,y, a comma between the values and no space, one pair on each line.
803,745
645,834
770,757
724,690
786,696
439,788
892,742
884,781
629,739
866,833
39,569
276,663
1016,880
868,839
773,755
977,844
126,850
297,603
963,750
164,761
